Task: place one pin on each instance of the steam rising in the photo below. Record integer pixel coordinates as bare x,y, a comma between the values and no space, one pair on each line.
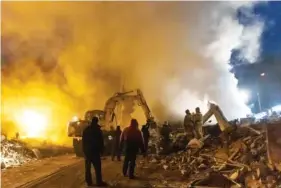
67,57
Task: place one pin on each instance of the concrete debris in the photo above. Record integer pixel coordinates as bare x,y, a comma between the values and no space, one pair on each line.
244,163
14,153
195,143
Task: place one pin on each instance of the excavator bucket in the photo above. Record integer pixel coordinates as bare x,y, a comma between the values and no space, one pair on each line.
273,134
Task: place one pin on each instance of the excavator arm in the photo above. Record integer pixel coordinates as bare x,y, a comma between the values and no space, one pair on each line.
117,98
216,111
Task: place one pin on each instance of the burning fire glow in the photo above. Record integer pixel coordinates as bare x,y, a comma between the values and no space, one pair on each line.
34,123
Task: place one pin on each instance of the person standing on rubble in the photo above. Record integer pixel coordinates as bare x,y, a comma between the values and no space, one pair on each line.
198,123
116,143
132,139
93,146
145,134
165,133
188,124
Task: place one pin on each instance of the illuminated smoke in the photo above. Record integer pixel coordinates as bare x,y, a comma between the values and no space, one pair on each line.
213,81
73,55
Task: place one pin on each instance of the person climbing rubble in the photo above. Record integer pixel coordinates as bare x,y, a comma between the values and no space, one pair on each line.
145,134
133,141
198,123
116,141
188,125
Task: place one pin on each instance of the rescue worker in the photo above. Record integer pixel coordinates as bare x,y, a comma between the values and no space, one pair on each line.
93,146
133,141
17,136
109,144
198,123
116,143
146,134
165,133
188,124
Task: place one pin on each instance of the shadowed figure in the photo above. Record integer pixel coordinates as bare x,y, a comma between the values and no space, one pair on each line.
93,147
116,144
133,141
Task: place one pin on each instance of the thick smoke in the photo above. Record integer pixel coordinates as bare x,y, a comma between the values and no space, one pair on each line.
75,54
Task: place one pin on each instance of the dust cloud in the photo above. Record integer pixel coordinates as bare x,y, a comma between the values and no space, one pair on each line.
63,58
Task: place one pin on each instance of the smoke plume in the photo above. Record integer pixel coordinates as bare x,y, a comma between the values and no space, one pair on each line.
67,57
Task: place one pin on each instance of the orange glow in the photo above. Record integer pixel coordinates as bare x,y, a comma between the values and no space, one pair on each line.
34,123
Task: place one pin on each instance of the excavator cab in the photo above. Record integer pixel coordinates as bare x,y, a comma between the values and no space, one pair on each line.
107,116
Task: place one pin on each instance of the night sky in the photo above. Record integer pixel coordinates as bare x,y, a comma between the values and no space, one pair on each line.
268,86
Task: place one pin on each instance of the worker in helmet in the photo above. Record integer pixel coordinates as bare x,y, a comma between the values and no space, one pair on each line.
188,124
198,123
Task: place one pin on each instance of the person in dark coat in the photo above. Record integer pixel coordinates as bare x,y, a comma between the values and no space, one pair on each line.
145,134
165,132
116,143
93,146
133,141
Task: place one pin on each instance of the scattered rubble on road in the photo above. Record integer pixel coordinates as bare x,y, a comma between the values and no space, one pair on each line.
14,153
245,163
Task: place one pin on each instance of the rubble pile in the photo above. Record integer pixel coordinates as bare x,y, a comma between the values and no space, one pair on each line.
14,153
243,164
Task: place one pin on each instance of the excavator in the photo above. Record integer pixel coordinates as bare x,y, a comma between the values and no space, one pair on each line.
272,130
107,117
223,123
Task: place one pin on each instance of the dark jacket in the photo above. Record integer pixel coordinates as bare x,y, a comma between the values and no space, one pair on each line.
132,139
165,132
92,140
116,137
145,131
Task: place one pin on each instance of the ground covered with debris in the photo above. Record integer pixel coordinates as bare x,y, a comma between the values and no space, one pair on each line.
17,152
34,170
244,164
14,153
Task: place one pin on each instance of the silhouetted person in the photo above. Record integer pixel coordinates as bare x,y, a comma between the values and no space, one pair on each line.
198,123
165,132
133,141
116,144
93,147
188,124
145,134
17,135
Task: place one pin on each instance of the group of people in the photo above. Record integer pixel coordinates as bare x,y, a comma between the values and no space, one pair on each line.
193,124
131,139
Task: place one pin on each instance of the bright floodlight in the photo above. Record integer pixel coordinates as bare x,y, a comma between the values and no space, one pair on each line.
244,95
263,74
75,118
34,123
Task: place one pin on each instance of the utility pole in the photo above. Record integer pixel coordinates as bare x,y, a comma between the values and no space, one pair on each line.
259,101
258,87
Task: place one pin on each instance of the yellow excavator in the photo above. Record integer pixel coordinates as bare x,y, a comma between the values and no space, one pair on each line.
107,117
